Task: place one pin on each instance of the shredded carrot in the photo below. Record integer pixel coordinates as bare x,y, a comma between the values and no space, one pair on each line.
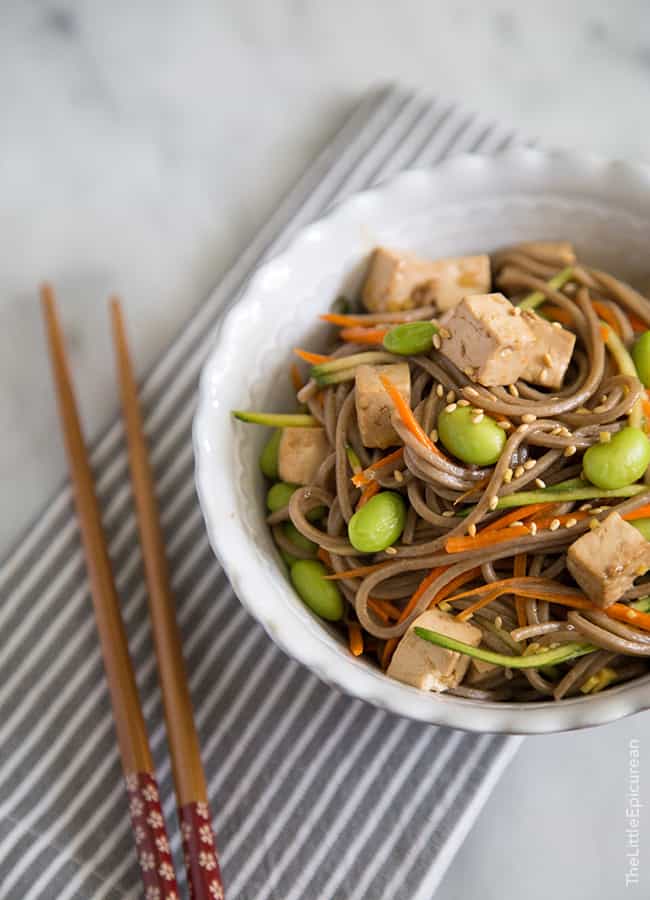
355,639
359,572
387,652
369,491
383,609
363,335
296,380
324,557
519,514
544,589
557,314
475,489
368,474
314,358
406,415
642,512
605,313
346,320
461,543
604,332
391,643
362,478
627,614
519,570
637,324
455,583
389,608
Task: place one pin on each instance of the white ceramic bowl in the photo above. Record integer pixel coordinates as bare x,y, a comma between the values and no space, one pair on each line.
468,204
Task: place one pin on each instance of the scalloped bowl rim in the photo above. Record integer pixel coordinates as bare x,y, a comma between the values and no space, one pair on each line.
300,635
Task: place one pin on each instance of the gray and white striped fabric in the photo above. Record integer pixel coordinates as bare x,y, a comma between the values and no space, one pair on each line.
315,795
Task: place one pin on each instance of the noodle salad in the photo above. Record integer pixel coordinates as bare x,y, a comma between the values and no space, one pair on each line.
464,488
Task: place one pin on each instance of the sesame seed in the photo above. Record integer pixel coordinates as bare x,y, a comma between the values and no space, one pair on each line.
472,530
528,418
533,528
469,371
604,398
472,392
505,424
391,551
530,464
451,407
437,343
507,476
478,418
494,502
605,437
557,430
451,396
555,524
556,325
585,507
498,622
445,606
517,524
512,388
540,483
601,509
593,524
463,402
448,513
444,332
397,475
434,435
517,311
439,390
570,523
519,471
547,359
522,429
570,450
631,614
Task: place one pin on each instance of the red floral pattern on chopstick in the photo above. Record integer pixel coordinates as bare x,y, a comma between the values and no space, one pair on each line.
152,844
203,874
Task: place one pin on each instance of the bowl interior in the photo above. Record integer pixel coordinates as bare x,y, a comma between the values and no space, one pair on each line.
477,207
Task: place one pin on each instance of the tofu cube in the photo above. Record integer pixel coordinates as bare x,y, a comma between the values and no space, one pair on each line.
427,666
478,669
606,561
300,454
397,280
488,339
551,353
374,406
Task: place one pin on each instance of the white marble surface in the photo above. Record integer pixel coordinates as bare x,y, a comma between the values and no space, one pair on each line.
143,143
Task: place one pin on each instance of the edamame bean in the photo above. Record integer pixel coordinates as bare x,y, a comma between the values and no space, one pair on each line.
410,338
378,524
641,357
322,597
620,462
280,493
269,456
299,539
642,525
471,437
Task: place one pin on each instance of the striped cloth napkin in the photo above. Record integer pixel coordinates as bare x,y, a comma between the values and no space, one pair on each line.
316,795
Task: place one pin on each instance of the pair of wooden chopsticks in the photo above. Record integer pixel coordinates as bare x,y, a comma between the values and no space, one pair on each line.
152,844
